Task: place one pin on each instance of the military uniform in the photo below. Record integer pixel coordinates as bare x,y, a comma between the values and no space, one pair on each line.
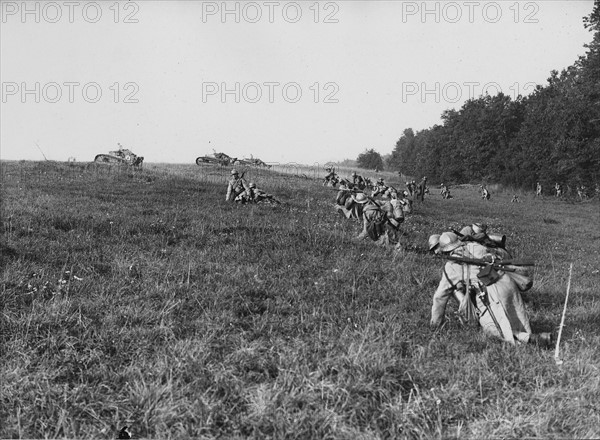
538,189
501,300
388,214
236,186
558,189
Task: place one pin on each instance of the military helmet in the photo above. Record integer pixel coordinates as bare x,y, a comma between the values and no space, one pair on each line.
434,241
354,174
467,231
252,185
479,228
449,241
360,198
234,172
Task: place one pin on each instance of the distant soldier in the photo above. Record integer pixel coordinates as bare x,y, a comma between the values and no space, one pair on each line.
581,195
405,202
485,194
358,181
538,189
421,189
445,192
493,301
558,189
236,186
515,199
411,188
331,177
380,187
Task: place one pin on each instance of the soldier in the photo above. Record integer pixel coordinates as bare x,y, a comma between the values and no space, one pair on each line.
497,306
421,189
380,187
581,193
405,202
236,186
346,203
330,177
558,189
485,194
538,189
381,220
359,181
515,199
258,195
445,192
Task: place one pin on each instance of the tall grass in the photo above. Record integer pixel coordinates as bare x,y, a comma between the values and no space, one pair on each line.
183,316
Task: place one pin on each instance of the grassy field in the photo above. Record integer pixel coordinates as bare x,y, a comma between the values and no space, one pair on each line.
143,299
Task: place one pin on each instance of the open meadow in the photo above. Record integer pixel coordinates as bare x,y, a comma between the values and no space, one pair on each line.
143,299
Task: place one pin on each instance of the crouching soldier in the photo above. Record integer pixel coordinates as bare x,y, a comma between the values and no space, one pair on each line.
490,298
236,186
380,187
406,203
350,203
381,220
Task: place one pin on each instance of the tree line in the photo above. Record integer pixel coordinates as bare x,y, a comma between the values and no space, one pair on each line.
552,135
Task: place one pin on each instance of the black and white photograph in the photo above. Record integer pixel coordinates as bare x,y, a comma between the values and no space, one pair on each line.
311,219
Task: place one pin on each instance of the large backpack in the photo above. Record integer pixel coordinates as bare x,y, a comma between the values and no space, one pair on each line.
376,225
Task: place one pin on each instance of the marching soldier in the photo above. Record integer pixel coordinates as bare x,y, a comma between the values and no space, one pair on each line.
421,189
495,304
538,189
558,189
236,186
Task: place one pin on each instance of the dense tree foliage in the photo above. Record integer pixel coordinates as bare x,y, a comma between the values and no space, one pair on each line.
552,135
370,159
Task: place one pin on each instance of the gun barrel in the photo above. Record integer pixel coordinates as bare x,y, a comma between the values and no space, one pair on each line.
498,263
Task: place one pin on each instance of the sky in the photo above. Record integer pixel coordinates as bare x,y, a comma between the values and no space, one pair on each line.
288,82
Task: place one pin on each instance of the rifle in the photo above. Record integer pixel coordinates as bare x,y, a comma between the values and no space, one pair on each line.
489,274
496,264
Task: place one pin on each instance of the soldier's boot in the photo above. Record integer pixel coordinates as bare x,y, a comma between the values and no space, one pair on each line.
542,340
